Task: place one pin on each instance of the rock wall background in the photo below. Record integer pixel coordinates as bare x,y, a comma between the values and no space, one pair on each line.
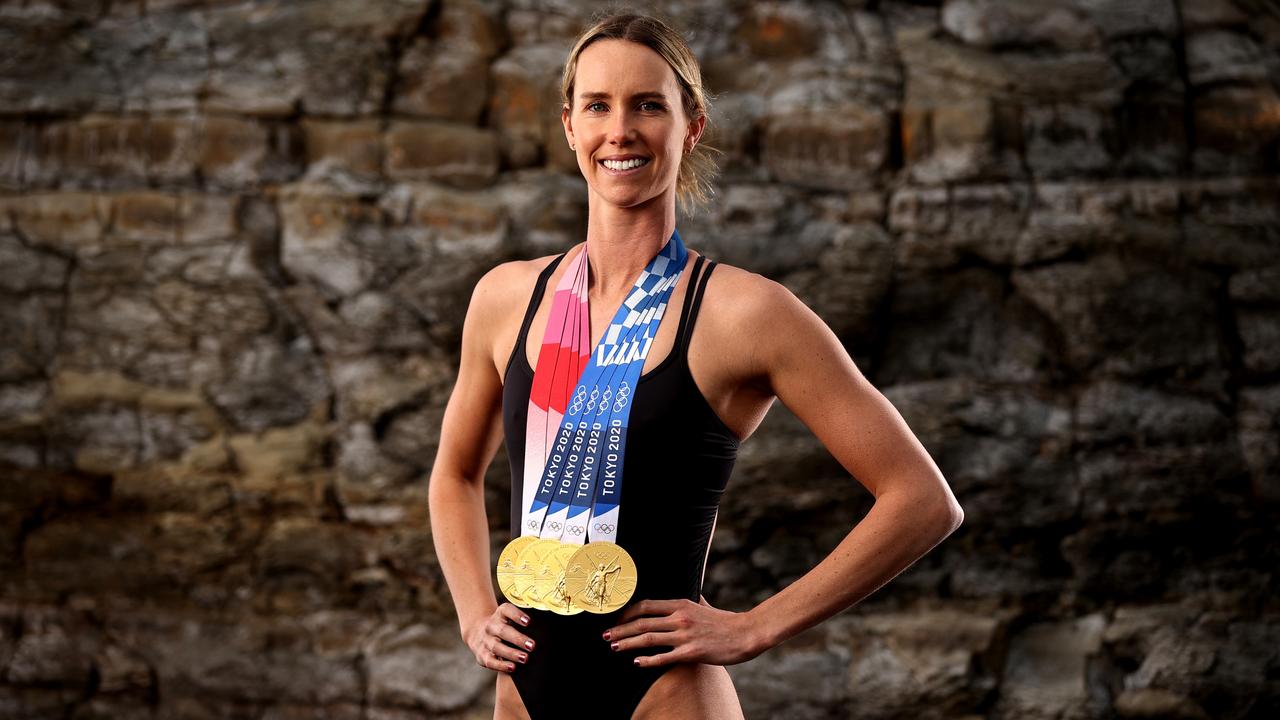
238,239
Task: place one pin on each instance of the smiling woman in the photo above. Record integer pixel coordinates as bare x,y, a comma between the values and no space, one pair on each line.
603,614
644,78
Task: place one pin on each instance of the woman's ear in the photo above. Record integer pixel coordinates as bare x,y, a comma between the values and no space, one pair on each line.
567,120
696,126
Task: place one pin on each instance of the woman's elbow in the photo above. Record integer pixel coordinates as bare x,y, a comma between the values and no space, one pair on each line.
941,510
951,514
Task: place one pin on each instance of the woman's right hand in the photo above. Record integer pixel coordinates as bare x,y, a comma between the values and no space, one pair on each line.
496,642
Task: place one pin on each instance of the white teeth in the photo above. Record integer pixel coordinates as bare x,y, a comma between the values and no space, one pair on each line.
624,164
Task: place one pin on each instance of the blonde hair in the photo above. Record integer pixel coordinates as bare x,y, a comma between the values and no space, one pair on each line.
697,168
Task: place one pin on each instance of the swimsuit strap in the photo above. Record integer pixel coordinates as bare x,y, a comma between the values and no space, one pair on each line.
534,300
688,317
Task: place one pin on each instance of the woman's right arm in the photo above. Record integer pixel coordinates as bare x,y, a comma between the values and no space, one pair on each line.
469,438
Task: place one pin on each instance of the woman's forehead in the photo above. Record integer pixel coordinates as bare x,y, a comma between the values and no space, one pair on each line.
620,67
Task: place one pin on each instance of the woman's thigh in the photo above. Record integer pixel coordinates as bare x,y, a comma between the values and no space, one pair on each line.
693,691
507,704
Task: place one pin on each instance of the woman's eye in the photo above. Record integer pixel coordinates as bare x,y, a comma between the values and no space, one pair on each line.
651,105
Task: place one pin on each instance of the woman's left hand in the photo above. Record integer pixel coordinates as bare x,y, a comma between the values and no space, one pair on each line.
696,632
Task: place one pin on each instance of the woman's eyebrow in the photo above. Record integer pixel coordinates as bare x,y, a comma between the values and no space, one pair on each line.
606,96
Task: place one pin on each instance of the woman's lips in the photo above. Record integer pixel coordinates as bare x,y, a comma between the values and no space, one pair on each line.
622,173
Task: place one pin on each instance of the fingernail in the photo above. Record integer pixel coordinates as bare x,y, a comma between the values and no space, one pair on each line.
635,661
524,619
613,646
606,634
528,644
523,657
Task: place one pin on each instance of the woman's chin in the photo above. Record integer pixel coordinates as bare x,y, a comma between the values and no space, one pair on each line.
624,197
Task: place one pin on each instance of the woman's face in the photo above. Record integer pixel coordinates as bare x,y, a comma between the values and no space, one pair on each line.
627,105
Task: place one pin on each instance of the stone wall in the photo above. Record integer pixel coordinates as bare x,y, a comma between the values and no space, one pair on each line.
238,240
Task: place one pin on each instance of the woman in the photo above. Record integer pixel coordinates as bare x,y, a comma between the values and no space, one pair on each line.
634,112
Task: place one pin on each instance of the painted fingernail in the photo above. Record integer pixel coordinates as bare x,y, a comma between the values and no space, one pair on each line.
524,619
635,661
528,644
523,657
613,646
606,634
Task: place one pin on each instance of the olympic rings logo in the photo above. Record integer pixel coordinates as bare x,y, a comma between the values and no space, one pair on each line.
595,395
556,526
624,393
531,524
604,527
604,401
577,530
578,399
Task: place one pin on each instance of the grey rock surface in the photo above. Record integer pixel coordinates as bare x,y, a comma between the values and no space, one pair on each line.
238,240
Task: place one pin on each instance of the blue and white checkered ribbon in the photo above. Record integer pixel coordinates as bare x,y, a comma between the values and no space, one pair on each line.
584,468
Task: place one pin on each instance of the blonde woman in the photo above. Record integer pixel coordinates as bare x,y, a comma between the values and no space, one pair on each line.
634,113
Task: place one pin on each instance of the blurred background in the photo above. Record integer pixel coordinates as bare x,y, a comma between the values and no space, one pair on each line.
238,240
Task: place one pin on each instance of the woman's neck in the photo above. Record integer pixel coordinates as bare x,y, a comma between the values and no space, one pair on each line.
621,242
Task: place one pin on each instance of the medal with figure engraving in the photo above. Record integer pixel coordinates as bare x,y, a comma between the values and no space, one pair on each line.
513,576
550,585
533,556
601,577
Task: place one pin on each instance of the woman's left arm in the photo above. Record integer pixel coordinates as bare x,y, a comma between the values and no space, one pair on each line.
806,367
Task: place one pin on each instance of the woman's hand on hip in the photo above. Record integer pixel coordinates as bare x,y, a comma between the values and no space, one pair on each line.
695,632
496,642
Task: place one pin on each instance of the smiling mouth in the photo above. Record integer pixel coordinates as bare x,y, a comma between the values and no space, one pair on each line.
624,167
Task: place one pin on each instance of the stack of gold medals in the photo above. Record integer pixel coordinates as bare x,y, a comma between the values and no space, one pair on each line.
547,574
575,441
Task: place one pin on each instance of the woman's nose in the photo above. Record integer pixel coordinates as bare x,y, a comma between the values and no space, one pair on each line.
620,127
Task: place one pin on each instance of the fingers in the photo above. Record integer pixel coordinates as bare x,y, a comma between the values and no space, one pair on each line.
646,624
670,629
503,645
678,654
489,659
499,655
652,607
648,639
513,613
514,637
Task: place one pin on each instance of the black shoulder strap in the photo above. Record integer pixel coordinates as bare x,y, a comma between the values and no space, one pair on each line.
538,289
693,297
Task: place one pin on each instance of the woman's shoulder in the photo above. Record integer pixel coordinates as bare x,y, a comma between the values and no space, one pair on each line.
512,278
734,289
503,292
728,345
735,298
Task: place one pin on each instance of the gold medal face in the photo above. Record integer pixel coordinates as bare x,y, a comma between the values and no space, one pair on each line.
536,555
533,556
550,588
600,577
513,575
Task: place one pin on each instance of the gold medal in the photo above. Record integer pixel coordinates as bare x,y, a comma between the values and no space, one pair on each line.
601,577
549,584
537,555
515,576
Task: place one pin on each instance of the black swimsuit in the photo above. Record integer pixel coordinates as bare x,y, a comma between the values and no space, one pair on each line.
678,460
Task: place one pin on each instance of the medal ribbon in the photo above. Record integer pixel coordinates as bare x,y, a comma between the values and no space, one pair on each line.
574,474
561,358
611,376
